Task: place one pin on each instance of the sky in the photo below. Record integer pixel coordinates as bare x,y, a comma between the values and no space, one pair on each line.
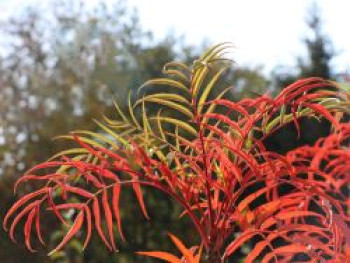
265,33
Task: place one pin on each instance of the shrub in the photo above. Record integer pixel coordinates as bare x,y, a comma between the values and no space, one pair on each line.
207,153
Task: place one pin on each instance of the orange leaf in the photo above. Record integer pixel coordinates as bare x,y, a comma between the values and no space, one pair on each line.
115,203
234,245
186,252
88,227
258,248
109,219
79,191
290,249
20,215
20,202
53,206
78,222
197,258
96,210
28,229
138,193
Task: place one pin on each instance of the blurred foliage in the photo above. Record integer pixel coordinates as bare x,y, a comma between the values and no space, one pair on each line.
247,82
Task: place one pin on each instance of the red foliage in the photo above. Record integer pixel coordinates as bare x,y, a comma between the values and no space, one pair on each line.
224,178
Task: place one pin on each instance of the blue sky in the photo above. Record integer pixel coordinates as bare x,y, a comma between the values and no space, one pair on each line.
267,32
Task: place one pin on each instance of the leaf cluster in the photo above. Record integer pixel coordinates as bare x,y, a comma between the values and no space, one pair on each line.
208,154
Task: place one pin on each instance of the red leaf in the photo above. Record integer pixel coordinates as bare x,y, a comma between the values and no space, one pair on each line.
20,202
115,203
36,177
28,229
233,124
297,85
109,175
138,193
324,112
185,252
288,215
47,165
231,105
67,206
258,248
88,226
78,222
87,147
96,210
290,249
53,206
20,215
109,219
239,241
79,191
37,227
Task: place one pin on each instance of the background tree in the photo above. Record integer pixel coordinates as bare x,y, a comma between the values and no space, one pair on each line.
247,82
320,51
319,54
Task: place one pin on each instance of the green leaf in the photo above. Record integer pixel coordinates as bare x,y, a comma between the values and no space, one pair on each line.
208,88
179,123
176,106
131,112
113,134
162,96
166,82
